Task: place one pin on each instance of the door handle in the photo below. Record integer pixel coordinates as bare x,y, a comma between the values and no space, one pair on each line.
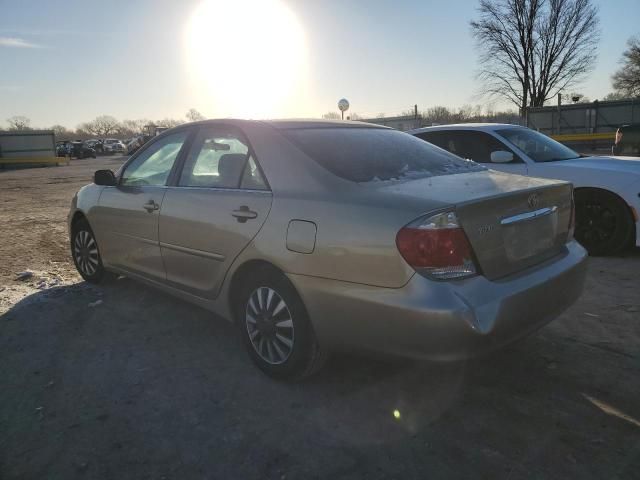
243,214
150,206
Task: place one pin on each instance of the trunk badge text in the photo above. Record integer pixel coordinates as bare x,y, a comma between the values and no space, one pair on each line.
482,229
533,201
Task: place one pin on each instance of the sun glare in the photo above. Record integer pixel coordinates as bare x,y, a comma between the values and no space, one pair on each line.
247,58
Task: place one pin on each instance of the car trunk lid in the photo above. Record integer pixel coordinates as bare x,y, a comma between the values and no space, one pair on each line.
512,222
513,231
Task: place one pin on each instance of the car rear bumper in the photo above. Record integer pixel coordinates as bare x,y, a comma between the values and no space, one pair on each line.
443,320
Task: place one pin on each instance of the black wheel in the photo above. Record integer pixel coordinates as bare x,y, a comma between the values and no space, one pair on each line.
85,253
603,222
275,327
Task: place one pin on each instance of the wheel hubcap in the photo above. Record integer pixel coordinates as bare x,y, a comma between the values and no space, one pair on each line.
269,325
595,225
85,252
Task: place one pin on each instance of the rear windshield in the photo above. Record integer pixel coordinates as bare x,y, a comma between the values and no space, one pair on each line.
376,154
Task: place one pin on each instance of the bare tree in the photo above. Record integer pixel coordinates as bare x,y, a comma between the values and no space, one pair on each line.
438,114
331,116
169,122
194,115
615,96
19,122
101,126
532,49
62,132
577,97
129,128
626,81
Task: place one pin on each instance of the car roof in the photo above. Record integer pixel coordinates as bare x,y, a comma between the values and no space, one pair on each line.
485,127
286,124
301,123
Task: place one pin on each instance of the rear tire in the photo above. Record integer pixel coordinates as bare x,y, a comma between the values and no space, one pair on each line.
275,327
604,225
85,252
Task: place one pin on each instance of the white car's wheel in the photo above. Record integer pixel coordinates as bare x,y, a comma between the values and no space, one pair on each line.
604,225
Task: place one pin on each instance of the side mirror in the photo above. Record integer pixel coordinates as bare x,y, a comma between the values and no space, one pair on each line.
105,177
501,156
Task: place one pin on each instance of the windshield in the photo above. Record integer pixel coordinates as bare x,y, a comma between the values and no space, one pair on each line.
537,146
376,154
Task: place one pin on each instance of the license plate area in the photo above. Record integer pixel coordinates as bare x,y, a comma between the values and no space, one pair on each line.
530,237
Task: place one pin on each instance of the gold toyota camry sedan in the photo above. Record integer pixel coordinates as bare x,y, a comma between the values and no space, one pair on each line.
317,236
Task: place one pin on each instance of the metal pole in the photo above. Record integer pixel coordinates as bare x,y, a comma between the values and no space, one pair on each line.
342,113
559,112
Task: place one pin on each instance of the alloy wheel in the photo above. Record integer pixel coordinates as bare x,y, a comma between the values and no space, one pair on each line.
597,224
269,325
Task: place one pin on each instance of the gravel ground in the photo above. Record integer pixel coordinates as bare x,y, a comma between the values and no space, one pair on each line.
120,381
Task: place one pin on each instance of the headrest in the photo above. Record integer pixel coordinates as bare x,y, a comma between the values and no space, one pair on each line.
230,166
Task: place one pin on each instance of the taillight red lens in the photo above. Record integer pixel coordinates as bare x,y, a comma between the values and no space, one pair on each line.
438,246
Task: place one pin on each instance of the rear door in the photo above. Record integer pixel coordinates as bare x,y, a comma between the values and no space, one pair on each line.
216,206
126,219
477,146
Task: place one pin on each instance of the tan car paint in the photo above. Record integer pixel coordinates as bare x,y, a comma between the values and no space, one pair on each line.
355,251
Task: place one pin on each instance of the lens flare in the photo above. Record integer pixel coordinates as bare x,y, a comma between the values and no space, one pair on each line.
246,58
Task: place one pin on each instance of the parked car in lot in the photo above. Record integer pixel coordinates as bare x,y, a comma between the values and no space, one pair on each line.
95,144
74,149
627,141
607,190
315,236
134,144
112,146
62,149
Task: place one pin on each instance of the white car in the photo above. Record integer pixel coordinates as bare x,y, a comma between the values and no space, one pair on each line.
113,145
607,189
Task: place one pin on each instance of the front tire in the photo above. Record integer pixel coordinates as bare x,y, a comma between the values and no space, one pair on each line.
85,252
275,327
604,225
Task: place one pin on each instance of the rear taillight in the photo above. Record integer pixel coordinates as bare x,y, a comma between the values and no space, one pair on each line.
572,218
437,246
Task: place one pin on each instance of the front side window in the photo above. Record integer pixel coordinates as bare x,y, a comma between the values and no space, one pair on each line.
537,146
153,165
220,159
476,146
376,154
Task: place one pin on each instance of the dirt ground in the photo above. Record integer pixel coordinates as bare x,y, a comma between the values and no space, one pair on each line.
142,385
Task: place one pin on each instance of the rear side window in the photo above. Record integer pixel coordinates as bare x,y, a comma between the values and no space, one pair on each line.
376,154
221,159
476,146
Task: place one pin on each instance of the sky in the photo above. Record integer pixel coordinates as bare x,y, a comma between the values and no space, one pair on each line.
68,61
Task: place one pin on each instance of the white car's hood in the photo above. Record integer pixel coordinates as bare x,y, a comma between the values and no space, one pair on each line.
616,164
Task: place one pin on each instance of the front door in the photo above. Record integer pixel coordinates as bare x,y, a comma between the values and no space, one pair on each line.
217,206
126,218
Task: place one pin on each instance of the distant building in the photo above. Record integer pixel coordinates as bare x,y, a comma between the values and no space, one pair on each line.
402,123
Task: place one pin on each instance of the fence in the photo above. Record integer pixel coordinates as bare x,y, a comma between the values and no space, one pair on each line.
584,118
